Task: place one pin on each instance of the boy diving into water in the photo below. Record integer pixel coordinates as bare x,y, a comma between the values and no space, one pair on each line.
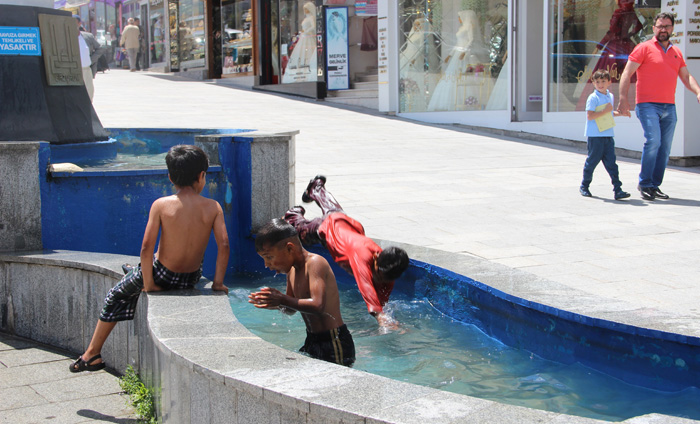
374,269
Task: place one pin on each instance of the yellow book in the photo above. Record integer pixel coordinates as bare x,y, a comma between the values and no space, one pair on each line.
606,121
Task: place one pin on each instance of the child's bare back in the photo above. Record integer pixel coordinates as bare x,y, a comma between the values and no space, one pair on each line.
186,221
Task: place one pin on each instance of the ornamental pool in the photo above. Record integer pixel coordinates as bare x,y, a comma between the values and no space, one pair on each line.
459,335
435,350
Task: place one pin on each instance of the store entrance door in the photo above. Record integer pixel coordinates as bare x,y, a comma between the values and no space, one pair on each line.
527,66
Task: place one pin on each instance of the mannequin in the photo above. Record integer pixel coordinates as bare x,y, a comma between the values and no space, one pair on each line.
412,65
462,68
618,42
413,48
302,63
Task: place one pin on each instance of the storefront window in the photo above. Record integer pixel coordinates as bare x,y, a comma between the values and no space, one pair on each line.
190,34
452,54
100,17
158,26
298,41
587,36
236,38
274,42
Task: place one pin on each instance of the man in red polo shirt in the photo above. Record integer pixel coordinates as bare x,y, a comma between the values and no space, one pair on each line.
374,269
658,64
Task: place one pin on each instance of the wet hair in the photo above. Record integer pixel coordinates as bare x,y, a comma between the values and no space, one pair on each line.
392,262
272,233
665,15
185,163
601,74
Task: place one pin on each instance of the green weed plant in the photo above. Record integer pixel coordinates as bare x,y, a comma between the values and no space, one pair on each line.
140,396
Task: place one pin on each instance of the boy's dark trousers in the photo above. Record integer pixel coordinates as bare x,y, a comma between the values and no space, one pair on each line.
601,148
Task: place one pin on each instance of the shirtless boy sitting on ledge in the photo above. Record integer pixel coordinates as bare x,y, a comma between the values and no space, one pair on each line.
185,221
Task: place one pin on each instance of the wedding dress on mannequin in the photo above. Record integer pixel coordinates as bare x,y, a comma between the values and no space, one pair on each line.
302,63
417,49
458,88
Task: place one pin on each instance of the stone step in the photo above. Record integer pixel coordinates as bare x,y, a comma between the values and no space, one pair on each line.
368,102
355,93
362,77
371,85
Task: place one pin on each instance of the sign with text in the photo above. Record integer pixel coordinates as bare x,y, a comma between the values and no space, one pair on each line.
22,41
366,7
337,55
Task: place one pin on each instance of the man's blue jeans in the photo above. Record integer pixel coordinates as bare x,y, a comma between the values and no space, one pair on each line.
658,121
601,148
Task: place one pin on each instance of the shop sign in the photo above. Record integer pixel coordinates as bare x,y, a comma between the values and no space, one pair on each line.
383,53
20,41
337,64
366,7
648,4
155,3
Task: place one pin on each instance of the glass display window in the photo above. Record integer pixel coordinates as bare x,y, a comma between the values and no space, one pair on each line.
236,38
298,41
588,36
158,26
190,34
274,42
453,54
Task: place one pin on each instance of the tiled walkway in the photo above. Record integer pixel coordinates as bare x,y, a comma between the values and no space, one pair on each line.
36,387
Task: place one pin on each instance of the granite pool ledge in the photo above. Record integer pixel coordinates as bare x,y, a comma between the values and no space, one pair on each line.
535,289
209,368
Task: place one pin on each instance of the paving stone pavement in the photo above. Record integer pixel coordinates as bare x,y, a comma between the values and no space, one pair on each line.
36,387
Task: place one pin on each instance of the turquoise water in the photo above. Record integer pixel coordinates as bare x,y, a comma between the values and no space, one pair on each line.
433,350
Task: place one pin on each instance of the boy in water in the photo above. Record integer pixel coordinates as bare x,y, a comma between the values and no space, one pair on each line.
374,269
311,290
601,144
185,221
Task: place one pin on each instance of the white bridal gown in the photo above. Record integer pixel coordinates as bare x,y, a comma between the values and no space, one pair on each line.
301,66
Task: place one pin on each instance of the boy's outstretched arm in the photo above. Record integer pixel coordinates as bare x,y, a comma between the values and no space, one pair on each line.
223,250
150,236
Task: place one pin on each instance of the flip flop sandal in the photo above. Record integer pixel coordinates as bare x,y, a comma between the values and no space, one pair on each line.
81,365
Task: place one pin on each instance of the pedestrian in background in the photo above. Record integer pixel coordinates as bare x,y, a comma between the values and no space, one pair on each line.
130,41
140,62
658,65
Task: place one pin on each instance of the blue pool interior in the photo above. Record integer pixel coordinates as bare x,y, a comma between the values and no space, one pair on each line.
105,209
132,148
448,341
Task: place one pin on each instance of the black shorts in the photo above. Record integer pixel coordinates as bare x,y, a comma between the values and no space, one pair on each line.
335,345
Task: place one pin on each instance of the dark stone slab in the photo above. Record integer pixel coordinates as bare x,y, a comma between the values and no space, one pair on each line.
33,110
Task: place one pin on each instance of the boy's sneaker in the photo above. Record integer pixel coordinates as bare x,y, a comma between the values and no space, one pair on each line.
318,180
619,195
585,192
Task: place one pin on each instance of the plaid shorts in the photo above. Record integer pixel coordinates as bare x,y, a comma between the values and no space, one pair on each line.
120,303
